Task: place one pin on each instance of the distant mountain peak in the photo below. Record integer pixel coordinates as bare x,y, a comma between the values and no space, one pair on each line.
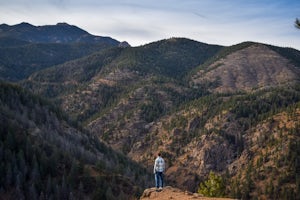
62,32
62,24
25,24
124,44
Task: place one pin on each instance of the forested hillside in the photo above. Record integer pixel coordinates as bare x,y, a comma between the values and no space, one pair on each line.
18,61
202,106
104,78
44,157
25,49
225,115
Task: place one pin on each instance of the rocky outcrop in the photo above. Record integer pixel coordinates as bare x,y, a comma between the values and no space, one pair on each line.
169,192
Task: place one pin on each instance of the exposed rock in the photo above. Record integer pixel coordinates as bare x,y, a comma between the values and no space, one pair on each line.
169,192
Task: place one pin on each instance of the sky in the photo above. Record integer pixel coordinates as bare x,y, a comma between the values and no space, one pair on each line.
222,22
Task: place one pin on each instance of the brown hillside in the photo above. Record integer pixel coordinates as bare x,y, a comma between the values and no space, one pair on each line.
255,67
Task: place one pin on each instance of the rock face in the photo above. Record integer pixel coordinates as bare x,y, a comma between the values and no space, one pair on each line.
169,192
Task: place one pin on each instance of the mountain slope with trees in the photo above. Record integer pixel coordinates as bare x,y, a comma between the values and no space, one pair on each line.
108,76
44,157
229,114
25,49
59,33
202,106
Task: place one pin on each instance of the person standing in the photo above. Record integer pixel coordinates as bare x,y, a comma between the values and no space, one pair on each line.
159,168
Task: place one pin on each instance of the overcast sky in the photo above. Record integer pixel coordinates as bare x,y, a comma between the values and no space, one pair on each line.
224,22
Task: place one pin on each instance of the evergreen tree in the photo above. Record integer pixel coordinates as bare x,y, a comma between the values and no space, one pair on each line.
19,194
21,162
213,187
72,178
32,192
10,141
109,194
49,186
35,173
42,196
64,189
9,176
80,191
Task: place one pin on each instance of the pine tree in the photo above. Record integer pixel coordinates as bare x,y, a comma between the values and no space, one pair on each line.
72,196
32,192
19,194
9,176
109,194
80,191
20,180
49,186
72,178
10,141
57,192
64,188
213,187
21,162
42,196
35,173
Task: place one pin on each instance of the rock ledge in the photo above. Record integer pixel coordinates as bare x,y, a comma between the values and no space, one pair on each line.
169,192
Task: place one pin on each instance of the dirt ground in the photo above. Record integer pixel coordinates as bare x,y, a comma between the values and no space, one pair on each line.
169,192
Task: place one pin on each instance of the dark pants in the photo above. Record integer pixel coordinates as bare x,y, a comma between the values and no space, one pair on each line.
159,179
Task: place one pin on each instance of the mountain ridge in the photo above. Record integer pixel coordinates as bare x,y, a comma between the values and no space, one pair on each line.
59,33
25,49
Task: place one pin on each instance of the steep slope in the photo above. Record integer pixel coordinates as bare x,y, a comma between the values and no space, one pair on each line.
43,156
270,167
209,133
254,67
19,59
216,133
105,77
138,101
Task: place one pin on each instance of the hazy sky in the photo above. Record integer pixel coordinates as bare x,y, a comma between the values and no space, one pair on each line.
224,22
